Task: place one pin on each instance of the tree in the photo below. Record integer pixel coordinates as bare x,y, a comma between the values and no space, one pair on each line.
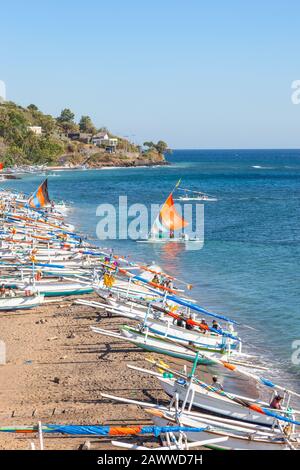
46,122
66,121
69,126
86,125
32,107
66,116
150,145
161,146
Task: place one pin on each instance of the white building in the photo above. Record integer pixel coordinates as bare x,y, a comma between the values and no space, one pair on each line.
2,92
37,130
102,139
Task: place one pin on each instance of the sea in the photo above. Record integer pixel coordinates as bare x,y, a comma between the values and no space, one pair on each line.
248,267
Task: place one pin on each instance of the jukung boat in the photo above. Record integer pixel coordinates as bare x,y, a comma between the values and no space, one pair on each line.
20,302
55,289
154,343
206,398
197,196
241,435
170,226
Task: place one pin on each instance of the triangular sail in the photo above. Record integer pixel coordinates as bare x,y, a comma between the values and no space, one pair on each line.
40,198
168,219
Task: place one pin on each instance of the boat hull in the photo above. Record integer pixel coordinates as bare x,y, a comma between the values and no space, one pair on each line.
235,441
158,345
209,401
20,303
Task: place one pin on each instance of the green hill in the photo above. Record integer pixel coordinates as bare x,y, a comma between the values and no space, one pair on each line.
30,137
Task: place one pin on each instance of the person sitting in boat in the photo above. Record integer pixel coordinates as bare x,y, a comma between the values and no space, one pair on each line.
216,384
276,402
168,284
155,279
215,325
189,325
11,292
203,326
181,322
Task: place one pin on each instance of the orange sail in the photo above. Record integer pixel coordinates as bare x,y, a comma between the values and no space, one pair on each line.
169,216
168,219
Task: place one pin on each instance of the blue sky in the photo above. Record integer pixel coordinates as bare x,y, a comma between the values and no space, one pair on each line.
197,74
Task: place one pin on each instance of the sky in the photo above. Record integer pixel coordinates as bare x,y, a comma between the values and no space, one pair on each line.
195,73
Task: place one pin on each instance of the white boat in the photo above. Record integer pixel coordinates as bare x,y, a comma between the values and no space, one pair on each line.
20,302
170,226
167,329
196,196
159,345
57,288
204,399
194,392
241,435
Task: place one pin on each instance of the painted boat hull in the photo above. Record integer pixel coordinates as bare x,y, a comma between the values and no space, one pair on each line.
59,289
210,401
20,303
208,340
236,440
160,346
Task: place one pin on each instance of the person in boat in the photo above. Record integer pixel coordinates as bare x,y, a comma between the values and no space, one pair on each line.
11,292
155,279
215,325
189,325
181,322
2,290
276,402
216,384
203,326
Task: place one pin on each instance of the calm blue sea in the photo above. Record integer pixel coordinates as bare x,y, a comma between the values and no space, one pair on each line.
248,268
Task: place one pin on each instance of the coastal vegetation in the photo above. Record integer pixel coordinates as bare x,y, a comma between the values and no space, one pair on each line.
30,137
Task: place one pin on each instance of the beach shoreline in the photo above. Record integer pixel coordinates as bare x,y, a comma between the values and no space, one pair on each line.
18,173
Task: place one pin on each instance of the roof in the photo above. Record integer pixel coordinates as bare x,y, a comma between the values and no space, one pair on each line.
100,135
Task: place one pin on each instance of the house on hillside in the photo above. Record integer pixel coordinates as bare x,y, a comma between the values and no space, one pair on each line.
102,139
83,137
